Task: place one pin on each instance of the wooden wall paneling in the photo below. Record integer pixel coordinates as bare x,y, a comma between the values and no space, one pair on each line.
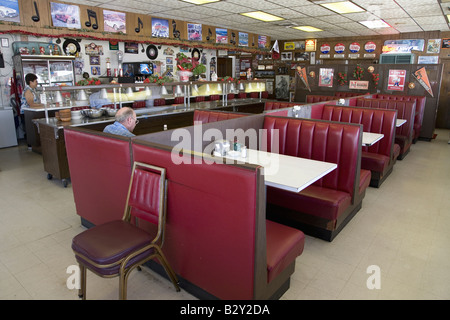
208,34
27,11
133,24
84,17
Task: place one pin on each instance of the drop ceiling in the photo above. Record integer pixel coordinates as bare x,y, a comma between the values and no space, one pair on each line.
402,15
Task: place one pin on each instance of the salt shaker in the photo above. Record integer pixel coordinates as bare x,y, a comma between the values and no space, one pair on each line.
243,152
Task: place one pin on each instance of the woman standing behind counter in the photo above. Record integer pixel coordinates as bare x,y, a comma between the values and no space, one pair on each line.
30,98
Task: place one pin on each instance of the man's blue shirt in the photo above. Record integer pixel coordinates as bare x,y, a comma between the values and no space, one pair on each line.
119,129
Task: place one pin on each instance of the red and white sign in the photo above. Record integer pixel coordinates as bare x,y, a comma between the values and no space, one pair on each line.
370,46
396,80
339,48
358,85
325,48
354,47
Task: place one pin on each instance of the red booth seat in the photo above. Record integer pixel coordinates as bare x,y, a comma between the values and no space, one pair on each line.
404,134
379,158
206,116
214,97
323,208
242,95
420,109
199,98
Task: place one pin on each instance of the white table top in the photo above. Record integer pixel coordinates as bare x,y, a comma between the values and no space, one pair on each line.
370,138
287,172
400,122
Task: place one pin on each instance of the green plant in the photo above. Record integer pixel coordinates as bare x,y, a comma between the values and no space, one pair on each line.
88,82
185,63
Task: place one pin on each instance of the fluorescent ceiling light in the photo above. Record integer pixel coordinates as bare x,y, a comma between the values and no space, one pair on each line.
307,28
343,7
200,1
375,24
259,15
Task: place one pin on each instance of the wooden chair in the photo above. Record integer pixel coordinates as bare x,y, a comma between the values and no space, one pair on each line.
117,247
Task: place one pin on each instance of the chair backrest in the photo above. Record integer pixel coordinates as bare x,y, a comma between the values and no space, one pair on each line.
146,198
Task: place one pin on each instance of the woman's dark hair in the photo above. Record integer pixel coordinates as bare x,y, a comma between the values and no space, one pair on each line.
30,77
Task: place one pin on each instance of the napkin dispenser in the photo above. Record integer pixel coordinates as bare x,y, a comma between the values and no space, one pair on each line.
221,148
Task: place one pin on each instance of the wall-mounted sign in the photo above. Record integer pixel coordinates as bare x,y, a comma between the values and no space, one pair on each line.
310,45
339,56
339,48
422,77
353,55
403,45
358,85
354,47
396,80
325,48
370,46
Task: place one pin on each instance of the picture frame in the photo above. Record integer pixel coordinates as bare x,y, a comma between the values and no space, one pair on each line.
94,60
65,15
289,46
445,43
434,46
286,56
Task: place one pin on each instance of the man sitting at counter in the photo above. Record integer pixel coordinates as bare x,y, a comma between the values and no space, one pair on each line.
125,123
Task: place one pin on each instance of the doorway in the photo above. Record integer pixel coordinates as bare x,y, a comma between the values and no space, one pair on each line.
224,67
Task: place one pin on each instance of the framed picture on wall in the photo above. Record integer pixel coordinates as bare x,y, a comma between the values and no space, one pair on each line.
434,46
396,80
326,77
445,43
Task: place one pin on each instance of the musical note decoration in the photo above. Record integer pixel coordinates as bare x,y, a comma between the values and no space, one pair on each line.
92,14
140,24
208,37
175,32
36,17
233,38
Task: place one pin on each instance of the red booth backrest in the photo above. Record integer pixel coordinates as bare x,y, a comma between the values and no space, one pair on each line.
349,94
420,107
206,116
312,98
204,206
324,141
91,154
273,105
373,120
405,110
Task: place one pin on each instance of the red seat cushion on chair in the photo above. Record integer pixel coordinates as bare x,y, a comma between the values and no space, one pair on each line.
284,245
110,242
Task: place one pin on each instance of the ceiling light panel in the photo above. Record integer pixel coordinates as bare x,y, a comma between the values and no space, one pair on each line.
307,28
375,24
200,1
263,16
343,7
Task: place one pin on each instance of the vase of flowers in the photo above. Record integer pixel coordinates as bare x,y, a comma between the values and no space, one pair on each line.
188,67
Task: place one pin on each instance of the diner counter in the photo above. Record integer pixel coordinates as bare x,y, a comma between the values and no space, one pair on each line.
144,113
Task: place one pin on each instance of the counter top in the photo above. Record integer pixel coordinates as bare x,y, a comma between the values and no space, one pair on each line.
150,112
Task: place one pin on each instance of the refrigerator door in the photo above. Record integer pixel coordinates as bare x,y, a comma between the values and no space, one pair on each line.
39,68
8,136
61,72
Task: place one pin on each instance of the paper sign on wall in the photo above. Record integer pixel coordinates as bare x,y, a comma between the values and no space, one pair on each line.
396,80
422,77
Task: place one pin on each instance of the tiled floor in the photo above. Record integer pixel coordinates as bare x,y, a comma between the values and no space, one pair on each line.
403,228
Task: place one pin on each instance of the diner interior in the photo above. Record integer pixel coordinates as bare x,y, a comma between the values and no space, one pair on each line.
378,233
